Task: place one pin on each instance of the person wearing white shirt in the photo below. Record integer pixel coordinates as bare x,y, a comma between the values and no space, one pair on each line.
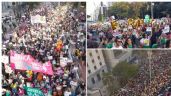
117,44
67,93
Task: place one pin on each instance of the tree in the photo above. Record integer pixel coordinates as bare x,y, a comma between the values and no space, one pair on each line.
124,71
32,5
139,9
100,17
126,9
120,9
119,76
111,83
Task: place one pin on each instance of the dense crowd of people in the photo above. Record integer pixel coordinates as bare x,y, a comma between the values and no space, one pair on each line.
129,33
65,25
156,84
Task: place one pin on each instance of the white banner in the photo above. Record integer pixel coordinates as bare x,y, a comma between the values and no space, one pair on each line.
38,19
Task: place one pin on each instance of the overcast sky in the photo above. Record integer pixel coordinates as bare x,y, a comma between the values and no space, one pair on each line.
91,6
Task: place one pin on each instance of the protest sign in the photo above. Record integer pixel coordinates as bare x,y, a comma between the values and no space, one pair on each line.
125,29
8,69
63,62
42,19
33,19
130,27
73,83
166,29
5,59
149,29
33,91
27,62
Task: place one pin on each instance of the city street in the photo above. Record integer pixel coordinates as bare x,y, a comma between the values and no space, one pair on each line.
41,55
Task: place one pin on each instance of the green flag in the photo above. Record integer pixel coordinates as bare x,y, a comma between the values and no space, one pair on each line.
147,19
33,91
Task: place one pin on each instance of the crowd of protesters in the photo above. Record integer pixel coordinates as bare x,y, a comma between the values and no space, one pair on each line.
129,33
64,24
153,78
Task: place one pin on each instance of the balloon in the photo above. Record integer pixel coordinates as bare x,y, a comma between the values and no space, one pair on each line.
114,24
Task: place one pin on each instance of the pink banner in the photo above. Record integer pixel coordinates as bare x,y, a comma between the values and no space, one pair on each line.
27,62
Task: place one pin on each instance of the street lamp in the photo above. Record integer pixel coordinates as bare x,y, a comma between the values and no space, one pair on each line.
150,54
101,11
59,4
152,5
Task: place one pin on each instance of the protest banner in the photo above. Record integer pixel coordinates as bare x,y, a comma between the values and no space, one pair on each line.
42,19
27,62
38,19
63,61
33,91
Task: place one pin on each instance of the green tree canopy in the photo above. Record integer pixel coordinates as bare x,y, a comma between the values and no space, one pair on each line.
139,9
119,76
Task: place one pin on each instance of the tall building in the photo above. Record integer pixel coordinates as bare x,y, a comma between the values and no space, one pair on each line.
96,66
6,5
103,11
100,61
8,8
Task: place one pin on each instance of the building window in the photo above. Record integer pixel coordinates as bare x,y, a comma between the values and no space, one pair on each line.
95,67
92,60
100,63
87,64
98,77
98,57
96,51
103,71
92,80
90,54
89,71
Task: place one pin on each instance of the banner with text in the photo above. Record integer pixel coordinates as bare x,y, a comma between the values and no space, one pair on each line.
38,19
27,62
33,91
